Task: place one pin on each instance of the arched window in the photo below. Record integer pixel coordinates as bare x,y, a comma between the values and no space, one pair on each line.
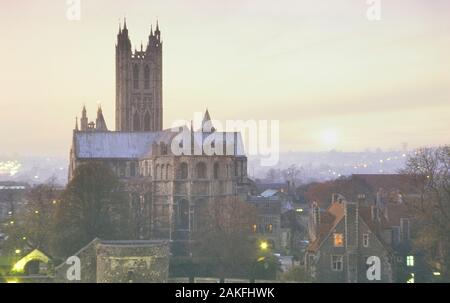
157,172
168,171
136,76
147,77
200,214
236,171
216,170
163,169
182,215
132,169
136,122
147,121
146,169
182,172
200,169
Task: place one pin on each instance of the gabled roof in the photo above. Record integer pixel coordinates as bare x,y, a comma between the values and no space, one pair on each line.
328,222
334,215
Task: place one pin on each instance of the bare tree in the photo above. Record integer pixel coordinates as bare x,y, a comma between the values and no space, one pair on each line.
223,238
430,170
33,226
292,174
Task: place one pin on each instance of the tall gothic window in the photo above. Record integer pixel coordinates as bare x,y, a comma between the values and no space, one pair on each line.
182,215
132,169
182,172
147,77
136,122
163,169
168,167
136,76
201,170
147,121
216,170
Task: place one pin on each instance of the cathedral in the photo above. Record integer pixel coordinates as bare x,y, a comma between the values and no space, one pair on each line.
166,190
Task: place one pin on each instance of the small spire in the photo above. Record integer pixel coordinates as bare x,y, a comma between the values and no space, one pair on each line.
142,47
157,25
207,123
125,23
151,30
76,123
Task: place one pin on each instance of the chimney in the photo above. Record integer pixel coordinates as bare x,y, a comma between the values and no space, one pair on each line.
375,213
361,199
337,198
316,213
351,224
351,239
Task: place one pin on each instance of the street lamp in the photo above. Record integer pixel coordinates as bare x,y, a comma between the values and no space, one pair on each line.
264,245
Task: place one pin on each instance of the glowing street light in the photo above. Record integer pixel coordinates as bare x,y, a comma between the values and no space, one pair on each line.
264,245
18,251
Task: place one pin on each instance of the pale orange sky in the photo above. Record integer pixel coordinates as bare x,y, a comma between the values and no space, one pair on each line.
332,78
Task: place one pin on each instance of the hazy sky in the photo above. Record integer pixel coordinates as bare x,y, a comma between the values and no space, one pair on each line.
332,78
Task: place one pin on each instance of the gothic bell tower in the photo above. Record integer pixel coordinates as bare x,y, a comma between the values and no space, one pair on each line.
139,83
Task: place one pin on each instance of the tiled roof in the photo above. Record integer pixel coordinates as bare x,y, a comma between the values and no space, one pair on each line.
388,182
328,221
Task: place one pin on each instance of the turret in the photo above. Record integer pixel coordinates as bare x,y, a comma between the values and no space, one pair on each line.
100,123
207,125
154,40
84,120
123,40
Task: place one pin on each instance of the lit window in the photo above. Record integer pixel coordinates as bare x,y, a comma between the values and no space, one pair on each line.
338,240
410,261
254,228
411,279
366,240
337,263
270,228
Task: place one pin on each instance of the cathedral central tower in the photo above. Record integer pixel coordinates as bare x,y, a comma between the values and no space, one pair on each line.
139,83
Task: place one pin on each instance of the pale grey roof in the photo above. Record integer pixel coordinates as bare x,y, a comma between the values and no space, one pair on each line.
129,145
123,145
269,193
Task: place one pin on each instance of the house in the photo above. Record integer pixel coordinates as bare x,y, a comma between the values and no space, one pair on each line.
347,236
270,205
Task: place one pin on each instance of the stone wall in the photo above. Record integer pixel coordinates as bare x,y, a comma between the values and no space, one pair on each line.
119,262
